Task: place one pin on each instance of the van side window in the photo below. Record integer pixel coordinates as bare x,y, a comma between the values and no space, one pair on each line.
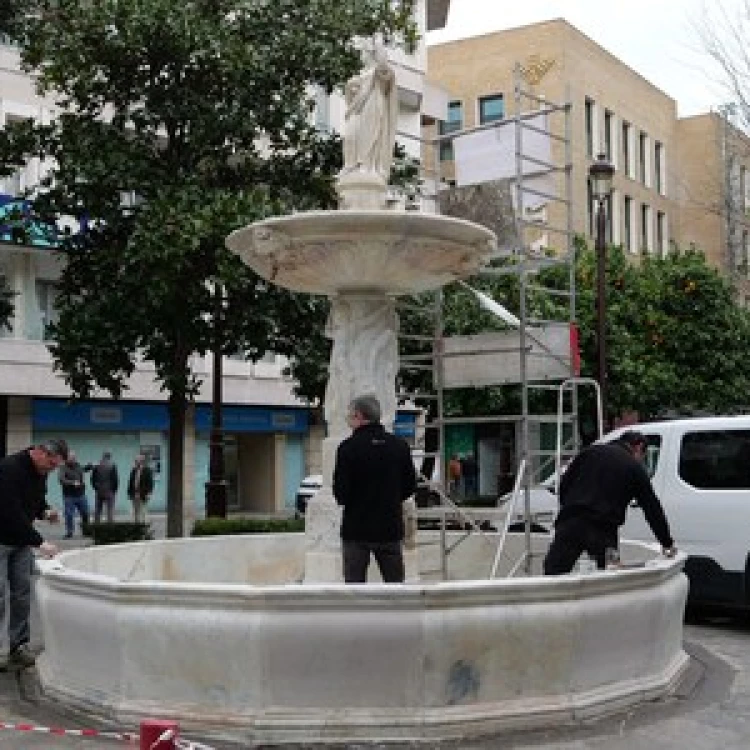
718,459
653,448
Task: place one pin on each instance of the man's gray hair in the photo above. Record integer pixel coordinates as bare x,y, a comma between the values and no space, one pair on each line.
368,406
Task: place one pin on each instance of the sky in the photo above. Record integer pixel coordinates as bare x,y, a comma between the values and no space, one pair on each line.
659,39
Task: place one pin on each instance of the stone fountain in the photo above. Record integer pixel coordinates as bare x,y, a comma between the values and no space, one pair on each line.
362,257
256,639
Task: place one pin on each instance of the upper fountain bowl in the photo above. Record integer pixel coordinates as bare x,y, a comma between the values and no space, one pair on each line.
396,252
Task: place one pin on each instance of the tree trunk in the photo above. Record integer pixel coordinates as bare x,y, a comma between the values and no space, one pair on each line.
175,496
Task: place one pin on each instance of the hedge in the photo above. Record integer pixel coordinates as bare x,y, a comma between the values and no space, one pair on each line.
218,526
119,531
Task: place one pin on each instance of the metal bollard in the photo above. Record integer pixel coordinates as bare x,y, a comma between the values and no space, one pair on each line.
159,734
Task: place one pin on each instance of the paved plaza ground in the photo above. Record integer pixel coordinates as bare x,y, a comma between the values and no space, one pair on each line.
710,711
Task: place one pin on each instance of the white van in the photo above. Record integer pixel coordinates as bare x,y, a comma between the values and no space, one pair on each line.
700,469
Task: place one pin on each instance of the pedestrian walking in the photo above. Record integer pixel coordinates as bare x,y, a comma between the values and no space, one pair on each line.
373,475
140,487
105,481
23,487
74,495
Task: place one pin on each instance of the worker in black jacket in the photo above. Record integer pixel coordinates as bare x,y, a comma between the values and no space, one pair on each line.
374,474
23,486
595,492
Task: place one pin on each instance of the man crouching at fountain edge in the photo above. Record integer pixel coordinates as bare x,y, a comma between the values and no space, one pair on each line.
595,492
373,475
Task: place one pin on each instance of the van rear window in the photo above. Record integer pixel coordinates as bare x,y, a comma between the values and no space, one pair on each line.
716,459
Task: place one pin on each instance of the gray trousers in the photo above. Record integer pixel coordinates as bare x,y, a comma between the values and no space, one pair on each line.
16,564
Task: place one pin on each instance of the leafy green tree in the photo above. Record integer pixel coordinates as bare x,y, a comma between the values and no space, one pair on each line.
676,340
180,122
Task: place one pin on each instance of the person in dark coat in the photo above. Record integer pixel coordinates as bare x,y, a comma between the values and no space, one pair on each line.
74,494
595,492
23,486
105,481
140,487
373,475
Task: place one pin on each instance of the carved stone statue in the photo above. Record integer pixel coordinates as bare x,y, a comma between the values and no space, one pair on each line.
370,124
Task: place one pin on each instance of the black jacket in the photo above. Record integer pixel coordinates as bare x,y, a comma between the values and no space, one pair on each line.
145,484
104,478
599,485
22,499
374,474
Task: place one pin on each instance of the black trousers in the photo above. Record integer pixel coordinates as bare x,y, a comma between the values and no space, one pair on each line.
573,537
388,555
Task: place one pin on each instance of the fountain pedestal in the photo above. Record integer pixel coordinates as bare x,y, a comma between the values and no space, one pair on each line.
361,259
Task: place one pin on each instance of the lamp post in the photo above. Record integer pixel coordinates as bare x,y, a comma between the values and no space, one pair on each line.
216,487
601,173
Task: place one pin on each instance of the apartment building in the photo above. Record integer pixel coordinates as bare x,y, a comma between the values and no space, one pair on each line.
271,442
667,170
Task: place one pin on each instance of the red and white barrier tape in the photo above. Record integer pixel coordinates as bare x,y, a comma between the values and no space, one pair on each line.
166,736
122,736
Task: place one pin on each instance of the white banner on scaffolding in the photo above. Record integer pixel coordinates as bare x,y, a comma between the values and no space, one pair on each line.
490,154
494,358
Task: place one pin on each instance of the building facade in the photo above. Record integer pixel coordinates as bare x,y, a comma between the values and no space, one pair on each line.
271,440
676,181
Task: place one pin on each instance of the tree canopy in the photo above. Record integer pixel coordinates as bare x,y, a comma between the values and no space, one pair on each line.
676,339
179,122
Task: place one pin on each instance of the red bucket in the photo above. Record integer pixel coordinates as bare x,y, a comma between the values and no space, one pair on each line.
152,729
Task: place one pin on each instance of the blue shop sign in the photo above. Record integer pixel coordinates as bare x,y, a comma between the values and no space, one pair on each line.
254,419
121,416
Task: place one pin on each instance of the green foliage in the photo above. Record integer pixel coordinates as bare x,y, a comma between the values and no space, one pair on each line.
220,526
676,340
117,532
183,121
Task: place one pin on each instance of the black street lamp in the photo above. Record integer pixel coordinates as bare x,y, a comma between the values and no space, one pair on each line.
600,174
216,487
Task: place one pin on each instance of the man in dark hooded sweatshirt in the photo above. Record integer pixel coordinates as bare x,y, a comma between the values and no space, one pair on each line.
595,492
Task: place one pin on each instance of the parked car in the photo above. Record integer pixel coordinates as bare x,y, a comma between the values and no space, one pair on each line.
308,488
543,506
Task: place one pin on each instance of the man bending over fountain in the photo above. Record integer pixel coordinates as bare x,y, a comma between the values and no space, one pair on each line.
373,475
595,492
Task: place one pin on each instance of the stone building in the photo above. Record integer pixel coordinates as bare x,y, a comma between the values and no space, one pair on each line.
678,181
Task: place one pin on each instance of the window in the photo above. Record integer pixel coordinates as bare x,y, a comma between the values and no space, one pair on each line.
589,111
627,164
642,140
653,450
591,206
659,167
322,110
717,459
453,123
661,232
46,292
608,134
645,229
628,238
491,108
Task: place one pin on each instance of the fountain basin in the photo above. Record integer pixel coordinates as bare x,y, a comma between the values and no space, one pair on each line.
399,252
216,634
